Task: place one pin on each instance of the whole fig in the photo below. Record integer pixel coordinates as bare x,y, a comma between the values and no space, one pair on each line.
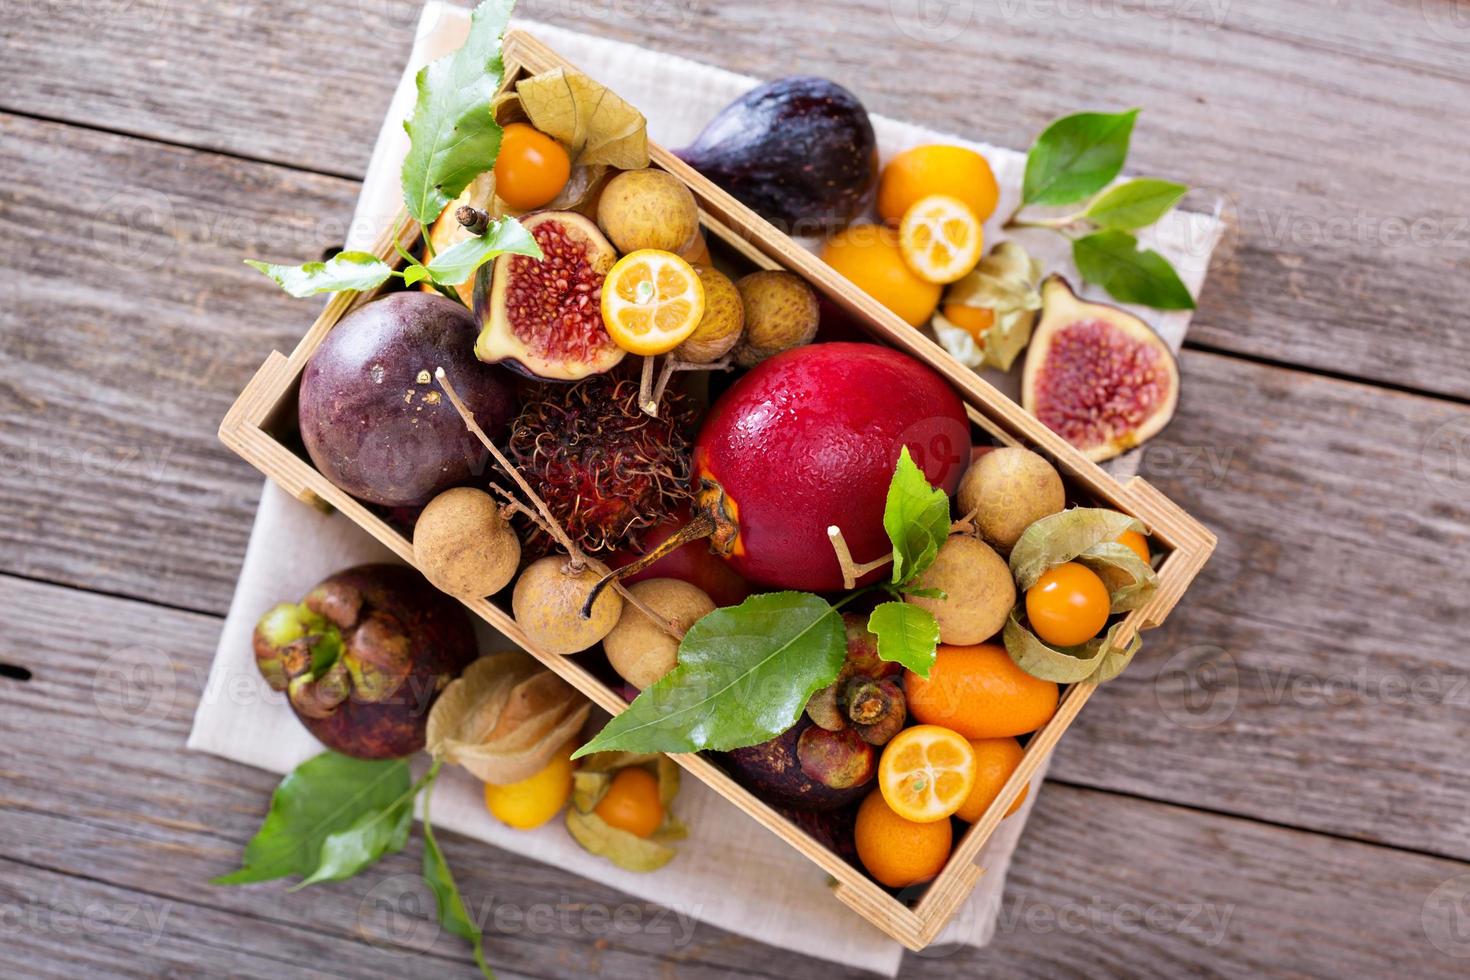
799,151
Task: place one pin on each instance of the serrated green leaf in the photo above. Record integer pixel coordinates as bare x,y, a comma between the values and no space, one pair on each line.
452,913
916,517
1063,536
453,136
1113,260
1077,156
1098,660
745,674
327,794
1135,204
906,635
345,270
456,264
415,274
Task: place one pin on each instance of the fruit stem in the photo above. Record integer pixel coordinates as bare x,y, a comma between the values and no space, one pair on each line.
578,557
702,526
647,396
473,220
851,570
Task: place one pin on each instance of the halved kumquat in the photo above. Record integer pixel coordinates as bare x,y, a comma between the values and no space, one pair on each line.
941,238
651,301
926,773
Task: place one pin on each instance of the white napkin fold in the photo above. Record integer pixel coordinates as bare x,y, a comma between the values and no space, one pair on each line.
731,872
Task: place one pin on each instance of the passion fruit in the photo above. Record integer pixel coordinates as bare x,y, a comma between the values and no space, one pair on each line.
544,318
1097,375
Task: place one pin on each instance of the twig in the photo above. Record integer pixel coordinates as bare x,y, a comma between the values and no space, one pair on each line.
966,524
672,364
647,398
576,556
851,570
473,220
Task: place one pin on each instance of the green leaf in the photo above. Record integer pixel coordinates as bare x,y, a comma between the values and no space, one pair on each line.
347,852
907,635
323,796
454,137
458,263
1113,261
916,517
452,913
1136,204
745,674
1077,156
926,593
415,274
346,270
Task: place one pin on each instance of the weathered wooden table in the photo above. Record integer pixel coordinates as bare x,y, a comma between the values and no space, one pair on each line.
1279,784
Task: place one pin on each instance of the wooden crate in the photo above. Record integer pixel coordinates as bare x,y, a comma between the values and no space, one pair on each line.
267,406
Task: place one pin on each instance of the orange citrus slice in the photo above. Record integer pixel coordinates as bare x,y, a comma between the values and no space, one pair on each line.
926,773
651,301
941,238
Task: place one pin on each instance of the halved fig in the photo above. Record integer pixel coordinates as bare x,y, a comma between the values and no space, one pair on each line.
1097,375
544,319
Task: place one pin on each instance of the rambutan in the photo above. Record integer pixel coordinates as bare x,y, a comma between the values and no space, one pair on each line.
607,470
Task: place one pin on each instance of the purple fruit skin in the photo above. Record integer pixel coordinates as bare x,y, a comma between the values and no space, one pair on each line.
443,644
374,420
799,151
772,771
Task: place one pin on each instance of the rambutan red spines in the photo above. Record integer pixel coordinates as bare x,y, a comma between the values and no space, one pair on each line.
607,470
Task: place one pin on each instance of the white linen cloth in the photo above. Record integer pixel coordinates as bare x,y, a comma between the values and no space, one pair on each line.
731,872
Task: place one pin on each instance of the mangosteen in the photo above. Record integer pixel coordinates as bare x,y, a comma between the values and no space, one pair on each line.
363,657
806,767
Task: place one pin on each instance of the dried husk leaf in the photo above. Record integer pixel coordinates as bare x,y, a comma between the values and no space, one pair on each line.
595,125
505,718
1061,537
627,851
1098,660
588,789
1007,282
613,761
1130,580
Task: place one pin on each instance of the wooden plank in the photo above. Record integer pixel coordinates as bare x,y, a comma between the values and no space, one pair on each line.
106,814
1344,260
1316,674
129,324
